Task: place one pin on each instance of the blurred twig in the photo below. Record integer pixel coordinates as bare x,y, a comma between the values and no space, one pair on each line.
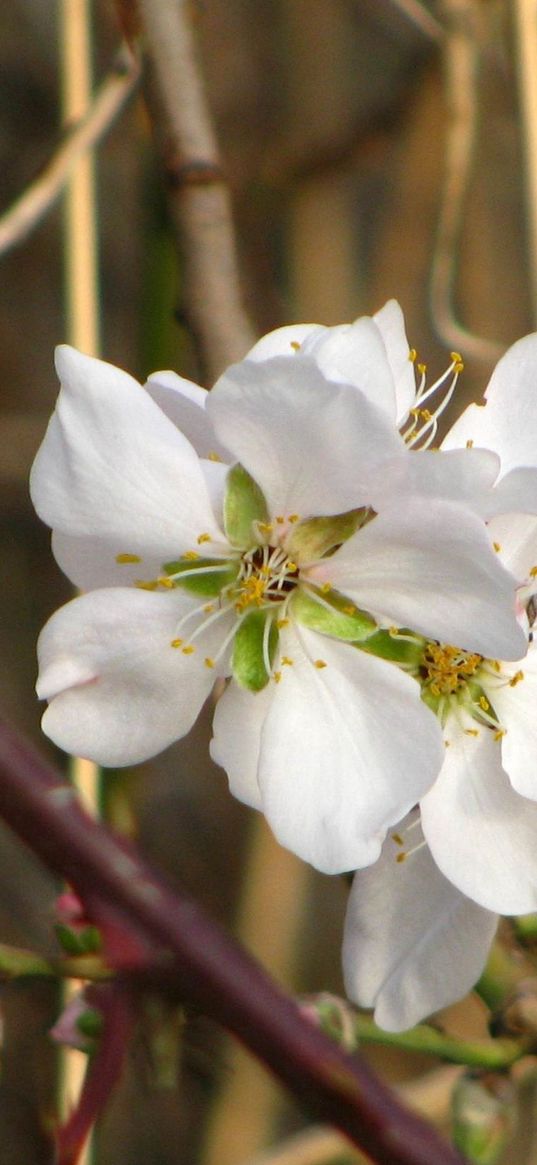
526,29
199,199
33,205
461,59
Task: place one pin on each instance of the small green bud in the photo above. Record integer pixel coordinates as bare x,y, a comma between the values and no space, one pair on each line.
331,614
483,1107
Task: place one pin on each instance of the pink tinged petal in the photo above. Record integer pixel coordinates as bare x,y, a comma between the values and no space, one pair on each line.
431,568
515,706
118,691
285,341
391,325
356,354
237,725
313,447
508,422
184,404
480,832
112,466
412,942
346,749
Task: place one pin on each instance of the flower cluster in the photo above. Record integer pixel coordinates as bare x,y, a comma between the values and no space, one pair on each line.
366,601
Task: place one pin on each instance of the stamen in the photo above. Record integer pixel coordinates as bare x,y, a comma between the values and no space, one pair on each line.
320,663
123,559
266,644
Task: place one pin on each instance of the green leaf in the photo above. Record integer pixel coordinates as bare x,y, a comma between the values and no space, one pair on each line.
248,664
244,504
332,614
205,576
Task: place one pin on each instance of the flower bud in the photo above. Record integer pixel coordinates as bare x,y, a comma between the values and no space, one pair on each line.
483,1116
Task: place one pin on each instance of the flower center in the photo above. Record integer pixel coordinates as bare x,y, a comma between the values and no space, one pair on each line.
266,575
445,670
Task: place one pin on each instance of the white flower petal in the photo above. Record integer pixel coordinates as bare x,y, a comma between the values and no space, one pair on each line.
91,562
285,341
391,325
184,404
480,832
508,422
345,751
430,568
460,475
119,692
356,354
112,466
516,535
412,942
313,447
516,708
237,724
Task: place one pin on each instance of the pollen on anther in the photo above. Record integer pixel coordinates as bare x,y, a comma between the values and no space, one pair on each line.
499,735
396,837
518,676
422,369
401,857
412,355
282,623
349,610
277,677
208,608
326,588
320,663
189,649
123,559
533,572
213,457
471,731
286,661
146,585
294,517
470,443
295,345
483,703
208,661
280,519
164,581
190,555
203,538
177,643
497,547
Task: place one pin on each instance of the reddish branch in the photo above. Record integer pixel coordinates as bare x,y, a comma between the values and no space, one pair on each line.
212,971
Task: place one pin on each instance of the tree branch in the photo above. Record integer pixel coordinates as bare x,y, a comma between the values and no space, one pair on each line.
213,972
199,199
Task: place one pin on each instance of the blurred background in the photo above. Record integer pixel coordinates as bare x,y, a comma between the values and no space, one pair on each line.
374,148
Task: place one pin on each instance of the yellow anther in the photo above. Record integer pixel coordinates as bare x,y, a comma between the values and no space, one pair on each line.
518,676
149,585
208,661
483,703
320,663
326,588
426,415
203,538
164,581
500,734
291,566
396,837
458,367
294,517
265,527
471,731
470,443
280,519
213,457
177,643
422,369
286,661
412,355
208,608
189,649
401,857
456,357
277,677
447,744
295,345
190,555
533,572
123,559
349,610
497,547
282,623
393,632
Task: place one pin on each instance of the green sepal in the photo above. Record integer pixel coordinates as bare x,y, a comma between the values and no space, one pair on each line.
333,615
388,646
316,537
207,585
90,1023
247,663
244,504
82,942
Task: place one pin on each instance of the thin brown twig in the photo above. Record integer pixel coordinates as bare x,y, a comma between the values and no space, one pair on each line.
21,218
199,199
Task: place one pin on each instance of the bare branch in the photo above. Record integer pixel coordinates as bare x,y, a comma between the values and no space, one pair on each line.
34,204
199,199
212,971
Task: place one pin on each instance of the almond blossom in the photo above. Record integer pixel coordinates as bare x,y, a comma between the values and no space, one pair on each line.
470,854
251,535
